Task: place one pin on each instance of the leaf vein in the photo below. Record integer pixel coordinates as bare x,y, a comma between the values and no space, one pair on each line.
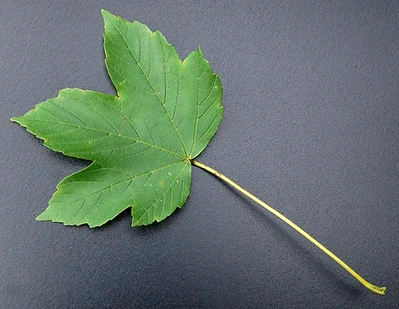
120,182
121,136
166,189
152,86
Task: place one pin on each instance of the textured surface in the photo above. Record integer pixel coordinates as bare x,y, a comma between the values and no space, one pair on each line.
310,126
141,140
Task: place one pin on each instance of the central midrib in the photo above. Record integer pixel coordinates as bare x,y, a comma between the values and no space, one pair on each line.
151,85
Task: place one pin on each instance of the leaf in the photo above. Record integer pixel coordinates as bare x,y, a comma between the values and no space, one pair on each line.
144,140
140,141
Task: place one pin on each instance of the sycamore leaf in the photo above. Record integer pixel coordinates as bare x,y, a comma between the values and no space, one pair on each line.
144,140
140,141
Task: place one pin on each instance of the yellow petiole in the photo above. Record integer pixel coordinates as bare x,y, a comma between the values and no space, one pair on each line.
372,287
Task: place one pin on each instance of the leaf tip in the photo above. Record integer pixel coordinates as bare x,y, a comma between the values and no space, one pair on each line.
108,17
17,119
42,217
105,13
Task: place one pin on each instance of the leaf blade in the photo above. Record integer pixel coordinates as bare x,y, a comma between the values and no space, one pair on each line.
140,141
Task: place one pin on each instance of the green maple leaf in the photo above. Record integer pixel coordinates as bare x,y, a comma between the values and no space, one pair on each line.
144,140
141,141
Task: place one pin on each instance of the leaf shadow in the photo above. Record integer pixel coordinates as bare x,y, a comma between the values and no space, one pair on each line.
352,292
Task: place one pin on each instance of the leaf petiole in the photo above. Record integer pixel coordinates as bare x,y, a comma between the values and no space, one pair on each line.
372,287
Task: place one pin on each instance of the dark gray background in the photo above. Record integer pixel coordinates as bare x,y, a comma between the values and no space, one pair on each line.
311,125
